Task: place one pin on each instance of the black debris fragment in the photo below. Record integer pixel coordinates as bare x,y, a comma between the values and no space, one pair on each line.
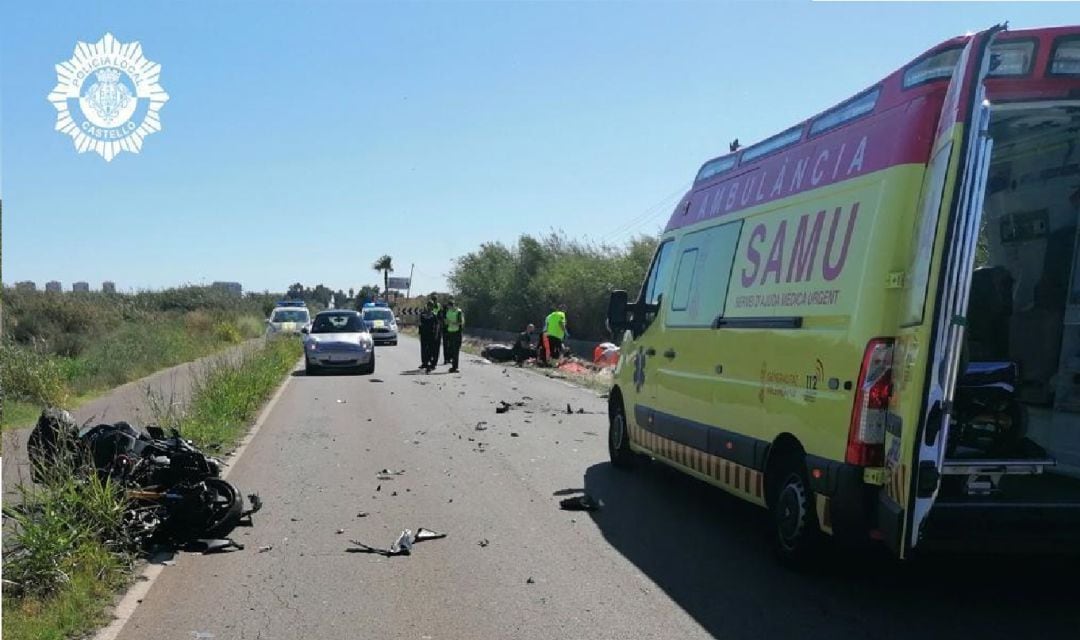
513,434
568,409
503,407
581,503
362,514
530,580
481,426
581,410
340,531
483,543
265,548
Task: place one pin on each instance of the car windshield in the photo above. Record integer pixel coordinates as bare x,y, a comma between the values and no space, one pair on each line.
378,314
337,323
290,315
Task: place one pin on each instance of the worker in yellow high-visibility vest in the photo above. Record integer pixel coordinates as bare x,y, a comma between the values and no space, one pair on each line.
555,330
454,323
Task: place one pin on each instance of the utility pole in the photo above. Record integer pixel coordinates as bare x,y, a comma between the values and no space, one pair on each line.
408,289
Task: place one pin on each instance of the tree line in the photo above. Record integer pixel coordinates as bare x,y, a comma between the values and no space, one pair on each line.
506,287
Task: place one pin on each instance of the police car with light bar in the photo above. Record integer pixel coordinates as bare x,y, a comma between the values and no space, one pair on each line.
381,322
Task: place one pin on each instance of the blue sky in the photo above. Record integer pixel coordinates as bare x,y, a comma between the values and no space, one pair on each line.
304,139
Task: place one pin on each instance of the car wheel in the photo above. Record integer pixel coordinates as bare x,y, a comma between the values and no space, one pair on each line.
796,536
369,368
619,450
393,343
310,369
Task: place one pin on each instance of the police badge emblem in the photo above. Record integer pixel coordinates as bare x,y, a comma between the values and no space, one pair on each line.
108,97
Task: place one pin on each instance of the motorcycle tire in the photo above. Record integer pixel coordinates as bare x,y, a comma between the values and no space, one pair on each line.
225,514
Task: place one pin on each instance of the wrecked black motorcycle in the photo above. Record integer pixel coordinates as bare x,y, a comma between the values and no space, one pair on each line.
175,492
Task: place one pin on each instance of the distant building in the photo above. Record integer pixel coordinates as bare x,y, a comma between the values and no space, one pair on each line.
81,287
25,285
232,287
53,285
108,286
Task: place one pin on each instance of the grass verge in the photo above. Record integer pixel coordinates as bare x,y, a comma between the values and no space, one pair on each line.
32,376
226,395
69,553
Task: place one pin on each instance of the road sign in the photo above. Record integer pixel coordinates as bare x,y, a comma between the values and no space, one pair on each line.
397,283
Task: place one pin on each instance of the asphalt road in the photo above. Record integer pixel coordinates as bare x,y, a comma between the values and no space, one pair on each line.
667,557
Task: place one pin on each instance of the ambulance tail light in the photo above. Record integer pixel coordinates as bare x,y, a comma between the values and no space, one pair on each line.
866,439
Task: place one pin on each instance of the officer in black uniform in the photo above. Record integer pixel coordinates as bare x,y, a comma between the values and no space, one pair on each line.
429,337
437,309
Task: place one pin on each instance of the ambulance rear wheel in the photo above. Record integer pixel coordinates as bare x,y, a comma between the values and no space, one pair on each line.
796,536
619,439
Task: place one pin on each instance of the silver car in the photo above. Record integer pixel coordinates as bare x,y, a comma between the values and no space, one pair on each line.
338,339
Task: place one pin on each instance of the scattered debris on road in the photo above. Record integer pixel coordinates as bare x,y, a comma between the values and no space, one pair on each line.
340,531
568,409
481,426
265,548
402,546
362,514
374,380
513,434
216,545
581,503
340,401
530,580
483,543
503,407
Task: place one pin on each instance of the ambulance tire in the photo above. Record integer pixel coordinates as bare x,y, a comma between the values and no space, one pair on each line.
622,457
796,535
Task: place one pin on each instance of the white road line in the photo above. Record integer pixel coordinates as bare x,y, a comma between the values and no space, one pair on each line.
134,595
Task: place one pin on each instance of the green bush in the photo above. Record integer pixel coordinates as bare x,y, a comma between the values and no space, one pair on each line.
227,332
250,326
30,376
502,287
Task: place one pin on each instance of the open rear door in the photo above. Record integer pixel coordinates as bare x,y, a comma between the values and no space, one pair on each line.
956,183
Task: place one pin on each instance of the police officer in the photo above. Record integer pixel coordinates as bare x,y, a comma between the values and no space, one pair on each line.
429,337
454,321
437,309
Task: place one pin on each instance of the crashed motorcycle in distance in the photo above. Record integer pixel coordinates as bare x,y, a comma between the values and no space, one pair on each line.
175,492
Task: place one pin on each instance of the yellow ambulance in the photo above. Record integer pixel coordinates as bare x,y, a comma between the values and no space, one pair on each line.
869,323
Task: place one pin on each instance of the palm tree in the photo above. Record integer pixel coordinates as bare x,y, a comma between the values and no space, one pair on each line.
385,265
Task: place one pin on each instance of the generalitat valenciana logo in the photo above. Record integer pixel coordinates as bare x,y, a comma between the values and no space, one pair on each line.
108,97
